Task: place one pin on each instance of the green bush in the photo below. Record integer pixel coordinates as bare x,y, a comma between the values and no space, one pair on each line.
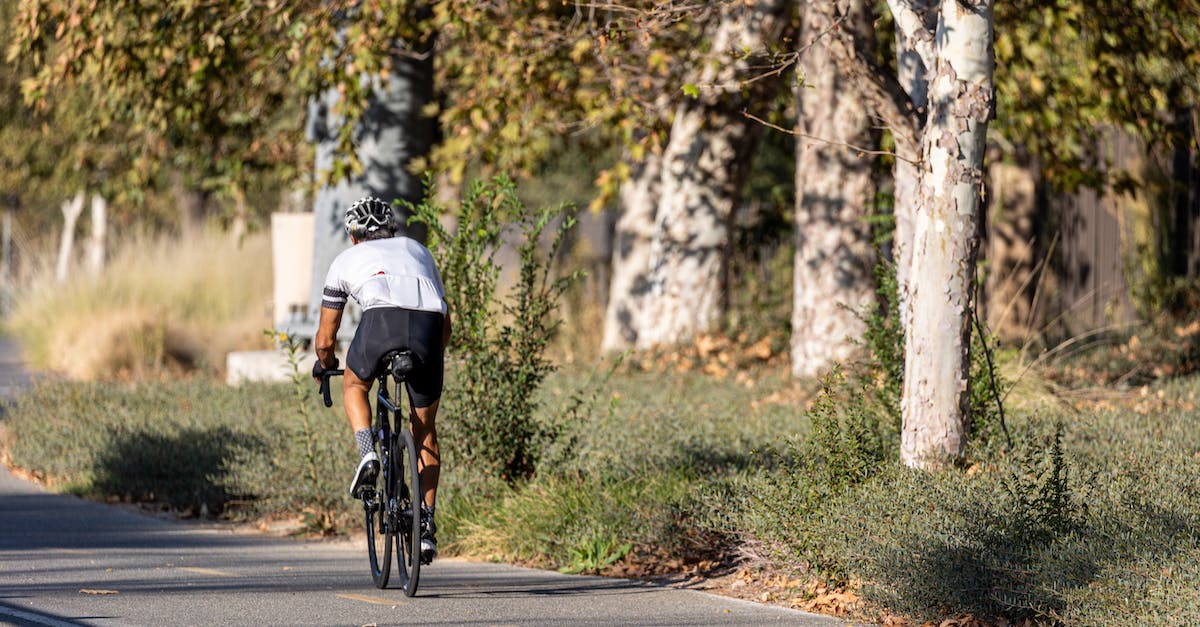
499,341
649,461
1095,520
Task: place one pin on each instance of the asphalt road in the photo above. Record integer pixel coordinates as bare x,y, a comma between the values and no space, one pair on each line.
65,561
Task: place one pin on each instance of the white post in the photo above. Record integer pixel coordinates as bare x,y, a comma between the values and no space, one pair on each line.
96,247
71,210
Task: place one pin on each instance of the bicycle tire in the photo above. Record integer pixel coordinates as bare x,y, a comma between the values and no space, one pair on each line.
380,530
408,513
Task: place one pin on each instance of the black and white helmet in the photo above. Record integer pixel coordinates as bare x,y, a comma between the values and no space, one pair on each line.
368,215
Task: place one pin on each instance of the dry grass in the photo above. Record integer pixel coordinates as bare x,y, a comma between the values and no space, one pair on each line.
160,305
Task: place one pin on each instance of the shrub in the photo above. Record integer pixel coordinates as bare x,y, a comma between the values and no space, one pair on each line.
882,370
499,342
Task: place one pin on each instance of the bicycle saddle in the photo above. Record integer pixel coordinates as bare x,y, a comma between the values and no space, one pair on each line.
401,364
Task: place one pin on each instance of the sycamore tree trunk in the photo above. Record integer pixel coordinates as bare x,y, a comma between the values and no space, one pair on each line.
631,254
833,277
1014,220
705,164
703,167
945,230
937,203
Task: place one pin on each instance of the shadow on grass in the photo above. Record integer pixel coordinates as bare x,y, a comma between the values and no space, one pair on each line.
993,566
187,470
710,461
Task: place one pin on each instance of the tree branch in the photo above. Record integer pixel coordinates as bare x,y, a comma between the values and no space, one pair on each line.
912,25
859,149
880,89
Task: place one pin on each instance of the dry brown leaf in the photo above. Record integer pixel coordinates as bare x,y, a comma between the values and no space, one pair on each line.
94,591
760,349
706,344
714,369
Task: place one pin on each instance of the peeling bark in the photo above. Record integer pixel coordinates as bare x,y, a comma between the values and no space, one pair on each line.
911,70
945,237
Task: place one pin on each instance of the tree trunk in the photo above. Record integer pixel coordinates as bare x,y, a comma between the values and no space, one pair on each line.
945,237
192,203
96,243
1183,252
1013,251
704,166
6,273
71,210
631,254
833,278
394,131
239,225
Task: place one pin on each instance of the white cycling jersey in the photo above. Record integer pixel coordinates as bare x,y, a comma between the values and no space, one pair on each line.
391,272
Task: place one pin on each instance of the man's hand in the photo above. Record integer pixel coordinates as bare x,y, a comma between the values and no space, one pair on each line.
319,368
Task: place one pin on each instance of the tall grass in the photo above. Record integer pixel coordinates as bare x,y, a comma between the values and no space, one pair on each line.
161,303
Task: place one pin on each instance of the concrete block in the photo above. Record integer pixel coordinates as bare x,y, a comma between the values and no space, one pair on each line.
252,366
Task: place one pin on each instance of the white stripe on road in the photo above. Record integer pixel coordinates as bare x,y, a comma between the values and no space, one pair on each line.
208,571
376,600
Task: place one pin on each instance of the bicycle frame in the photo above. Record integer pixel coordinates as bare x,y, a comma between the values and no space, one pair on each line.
383,429
385,433
397,503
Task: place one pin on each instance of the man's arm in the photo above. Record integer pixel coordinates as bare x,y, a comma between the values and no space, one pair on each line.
327,328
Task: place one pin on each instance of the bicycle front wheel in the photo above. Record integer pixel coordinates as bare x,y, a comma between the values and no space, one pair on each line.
408,513
381,529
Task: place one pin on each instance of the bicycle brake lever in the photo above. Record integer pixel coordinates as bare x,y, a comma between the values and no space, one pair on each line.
325,391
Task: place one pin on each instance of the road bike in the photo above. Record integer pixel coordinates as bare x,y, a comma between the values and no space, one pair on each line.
392,508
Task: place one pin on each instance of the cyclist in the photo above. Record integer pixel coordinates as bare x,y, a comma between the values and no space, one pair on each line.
396,282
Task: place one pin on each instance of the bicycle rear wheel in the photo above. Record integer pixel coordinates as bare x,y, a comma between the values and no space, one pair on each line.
408,512
381,530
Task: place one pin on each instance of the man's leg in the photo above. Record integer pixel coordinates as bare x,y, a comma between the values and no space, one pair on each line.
354,397
358,413
425,434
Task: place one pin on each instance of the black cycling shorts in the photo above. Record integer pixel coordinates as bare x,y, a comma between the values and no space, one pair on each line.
385,329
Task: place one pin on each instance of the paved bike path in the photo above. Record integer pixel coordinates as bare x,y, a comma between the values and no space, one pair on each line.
66,561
